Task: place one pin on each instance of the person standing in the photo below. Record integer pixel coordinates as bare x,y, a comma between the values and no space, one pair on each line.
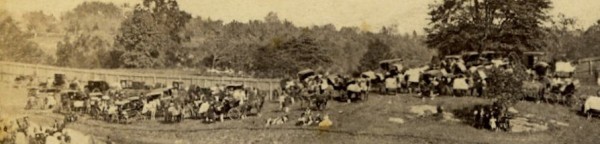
476,118
493,123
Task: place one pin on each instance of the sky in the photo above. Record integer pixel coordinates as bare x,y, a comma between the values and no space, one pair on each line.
408,15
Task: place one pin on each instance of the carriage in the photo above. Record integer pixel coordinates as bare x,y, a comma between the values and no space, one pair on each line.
315,90
393,66
562,85
73,101
133,85
97,86
59,81
160,101
242,101
130,109
23,80
41,98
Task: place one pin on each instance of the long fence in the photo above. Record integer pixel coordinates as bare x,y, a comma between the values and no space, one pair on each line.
9,70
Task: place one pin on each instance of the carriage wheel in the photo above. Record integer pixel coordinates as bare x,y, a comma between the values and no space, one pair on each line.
234,113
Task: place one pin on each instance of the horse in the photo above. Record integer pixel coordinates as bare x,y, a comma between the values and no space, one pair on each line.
321,99
357,90
173,113
255,100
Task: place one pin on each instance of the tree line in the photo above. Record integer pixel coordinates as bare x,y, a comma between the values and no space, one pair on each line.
157,34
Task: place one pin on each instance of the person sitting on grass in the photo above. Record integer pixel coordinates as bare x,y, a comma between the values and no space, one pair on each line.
277,121
326,123
305,118
317,119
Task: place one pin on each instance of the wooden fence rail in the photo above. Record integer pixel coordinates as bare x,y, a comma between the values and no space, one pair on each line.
8,71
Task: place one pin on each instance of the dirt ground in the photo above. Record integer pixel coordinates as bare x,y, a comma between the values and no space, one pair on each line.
362,122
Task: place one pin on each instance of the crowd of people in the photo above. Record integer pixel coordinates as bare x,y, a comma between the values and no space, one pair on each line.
23,131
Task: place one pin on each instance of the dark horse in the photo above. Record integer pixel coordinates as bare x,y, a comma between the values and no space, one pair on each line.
256,101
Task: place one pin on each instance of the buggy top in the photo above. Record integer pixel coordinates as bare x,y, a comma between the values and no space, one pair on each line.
306,73
159,91
391,61
235,86
95,94
387,64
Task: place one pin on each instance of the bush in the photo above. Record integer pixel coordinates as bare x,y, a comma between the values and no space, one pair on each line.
506,86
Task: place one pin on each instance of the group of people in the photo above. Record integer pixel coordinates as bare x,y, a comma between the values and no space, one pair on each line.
307,118
23,131
492,117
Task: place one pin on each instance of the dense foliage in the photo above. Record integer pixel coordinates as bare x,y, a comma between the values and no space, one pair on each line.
16,45
377,51
85,51
475,25
39,22
588,44
273,47
157,34
151,36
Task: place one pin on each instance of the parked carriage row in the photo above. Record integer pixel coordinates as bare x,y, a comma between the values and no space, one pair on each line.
452,76
134,100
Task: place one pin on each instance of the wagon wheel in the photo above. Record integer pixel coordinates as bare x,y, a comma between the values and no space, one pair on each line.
234,113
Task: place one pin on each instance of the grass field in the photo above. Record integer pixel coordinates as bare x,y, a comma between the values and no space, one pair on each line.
362,122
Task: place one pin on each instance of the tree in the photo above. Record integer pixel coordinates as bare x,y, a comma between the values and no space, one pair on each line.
377,51
16,45
563,38
272,18
93,16
86,51
591,41
304,52
291,56
152,36
475,25
90,30
38,22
